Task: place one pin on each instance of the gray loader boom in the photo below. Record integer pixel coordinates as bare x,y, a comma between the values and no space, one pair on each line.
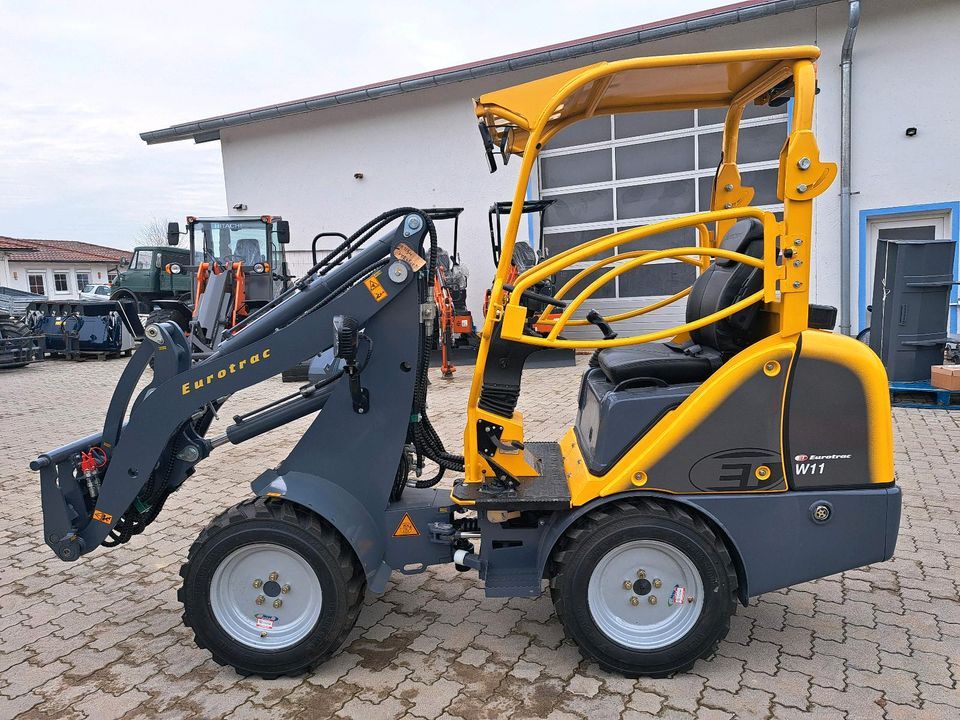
367,307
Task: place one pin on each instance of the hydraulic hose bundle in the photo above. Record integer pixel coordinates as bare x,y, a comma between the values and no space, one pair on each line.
421,434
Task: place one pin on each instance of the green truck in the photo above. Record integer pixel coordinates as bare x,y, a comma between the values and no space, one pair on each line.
146,279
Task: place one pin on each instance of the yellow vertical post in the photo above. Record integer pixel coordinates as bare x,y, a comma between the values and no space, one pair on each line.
470,450
798,211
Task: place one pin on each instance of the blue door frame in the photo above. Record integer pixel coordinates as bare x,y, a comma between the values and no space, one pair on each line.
865,215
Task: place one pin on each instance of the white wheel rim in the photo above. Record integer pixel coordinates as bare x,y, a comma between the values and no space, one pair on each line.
623,583
272,573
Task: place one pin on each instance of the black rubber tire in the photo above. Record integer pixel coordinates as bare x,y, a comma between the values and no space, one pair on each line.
178,317
583,546
12,328
277,521
864,336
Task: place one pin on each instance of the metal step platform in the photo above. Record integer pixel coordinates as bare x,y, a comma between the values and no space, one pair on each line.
548,491
512,583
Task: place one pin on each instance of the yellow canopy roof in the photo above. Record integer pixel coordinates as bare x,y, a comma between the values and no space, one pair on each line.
649,83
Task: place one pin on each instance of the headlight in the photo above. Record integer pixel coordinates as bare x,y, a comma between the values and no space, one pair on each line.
174,268
259,268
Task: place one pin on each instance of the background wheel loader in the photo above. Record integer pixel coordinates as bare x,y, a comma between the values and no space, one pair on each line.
744,450
234,266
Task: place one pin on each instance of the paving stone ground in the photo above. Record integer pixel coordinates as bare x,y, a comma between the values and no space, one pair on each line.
102,638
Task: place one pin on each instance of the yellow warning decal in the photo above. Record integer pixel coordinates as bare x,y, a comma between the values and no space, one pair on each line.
375,288
406,528
101,516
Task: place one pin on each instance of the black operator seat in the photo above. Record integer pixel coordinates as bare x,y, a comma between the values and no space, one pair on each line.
248,249
722,284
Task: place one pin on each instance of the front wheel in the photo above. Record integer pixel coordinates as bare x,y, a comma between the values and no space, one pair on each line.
271,589
644,588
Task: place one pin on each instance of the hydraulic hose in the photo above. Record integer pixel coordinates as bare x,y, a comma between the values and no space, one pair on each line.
423,435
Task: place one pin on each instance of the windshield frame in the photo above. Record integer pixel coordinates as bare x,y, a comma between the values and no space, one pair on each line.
211,237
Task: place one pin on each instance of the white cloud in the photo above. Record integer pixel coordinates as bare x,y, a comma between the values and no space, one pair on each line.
80,81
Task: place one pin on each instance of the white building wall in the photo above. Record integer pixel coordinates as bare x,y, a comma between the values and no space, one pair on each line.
18,272
422,148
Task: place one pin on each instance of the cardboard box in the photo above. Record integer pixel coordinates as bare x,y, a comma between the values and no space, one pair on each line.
946,377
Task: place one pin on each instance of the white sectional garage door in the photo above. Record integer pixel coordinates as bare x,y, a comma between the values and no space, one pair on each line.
617,172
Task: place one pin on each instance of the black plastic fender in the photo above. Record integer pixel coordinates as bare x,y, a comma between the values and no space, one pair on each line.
338,507
778,539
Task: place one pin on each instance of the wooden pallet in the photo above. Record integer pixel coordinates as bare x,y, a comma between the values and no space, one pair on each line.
921,394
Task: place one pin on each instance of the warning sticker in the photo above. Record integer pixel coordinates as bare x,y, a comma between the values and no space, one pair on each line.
375,288
678,595
409,256
406,528
101,516
265,622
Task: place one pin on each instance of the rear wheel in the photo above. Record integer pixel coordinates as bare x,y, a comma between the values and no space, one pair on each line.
271,589
644,588
178,317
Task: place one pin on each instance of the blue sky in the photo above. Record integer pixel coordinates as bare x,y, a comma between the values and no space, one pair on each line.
81,80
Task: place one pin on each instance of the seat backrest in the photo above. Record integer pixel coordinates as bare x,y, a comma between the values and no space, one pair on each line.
524,256
443,259
249,250
724,283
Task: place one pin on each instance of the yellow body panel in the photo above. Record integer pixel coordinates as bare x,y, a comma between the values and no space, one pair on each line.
865,364
676,425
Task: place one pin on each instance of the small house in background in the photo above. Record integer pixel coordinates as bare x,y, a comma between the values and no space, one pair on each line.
56,269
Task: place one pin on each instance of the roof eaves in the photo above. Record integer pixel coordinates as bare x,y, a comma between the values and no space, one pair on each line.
208,129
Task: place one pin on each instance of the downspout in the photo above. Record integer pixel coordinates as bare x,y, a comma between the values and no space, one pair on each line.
846,68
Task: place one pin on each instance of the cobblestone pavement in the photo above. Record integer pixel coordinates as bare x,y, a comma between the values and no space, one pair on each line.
102,638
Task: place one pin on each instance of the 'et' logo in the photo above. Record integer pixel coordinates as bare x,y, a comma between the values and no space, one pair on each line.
802,458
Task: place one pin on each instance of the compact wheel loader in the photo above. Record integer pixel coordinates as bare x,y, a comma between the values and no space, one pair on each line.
744,450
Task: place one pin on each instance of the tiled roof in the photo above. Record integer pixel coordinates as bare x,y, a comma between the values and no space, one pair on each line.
11,244
44,251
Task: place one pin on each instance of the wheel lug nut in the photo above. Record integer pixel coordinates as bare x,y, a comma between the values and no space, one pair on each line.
627,584
273,576
285,589
652,599
277,603
658,583
257,584
261,599
634,601
641,574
